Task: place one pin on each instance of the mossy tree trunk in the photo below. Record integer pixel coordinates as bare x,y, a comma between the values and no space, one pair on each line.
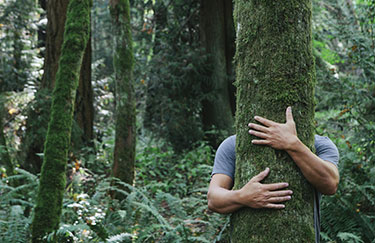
216,112
124,153
52,180
38,116
275,69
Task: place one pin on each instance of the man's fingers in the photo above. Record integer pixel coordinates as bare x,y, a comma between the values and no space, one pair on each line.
264,121
260,142
261,175
279,199
275,206
289,115
282,193
275,186
258,127
258,134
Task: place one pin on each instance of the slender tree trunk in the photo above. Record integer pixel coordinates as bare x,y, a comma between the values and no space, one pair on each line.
38,116
84,111
124,154
275,69
52,180
36,128
230,49
216,112
5,159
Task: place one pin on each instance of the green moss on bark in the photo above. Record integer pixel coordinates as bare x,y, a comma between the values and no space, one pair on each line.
52,180
275,69
123,61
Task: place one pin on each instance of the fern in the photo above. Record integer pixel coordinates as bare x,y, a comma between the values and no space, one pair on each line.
120,238
349,237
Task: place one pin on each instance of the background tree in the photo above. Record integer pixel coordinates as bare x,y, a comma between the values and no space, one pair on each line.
38,115
123,61
52,181
39,112
275,69
174,81
217,37
5,159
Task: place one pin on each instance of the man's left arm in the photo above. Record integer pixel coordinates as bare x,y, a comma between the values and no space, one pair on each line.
323,175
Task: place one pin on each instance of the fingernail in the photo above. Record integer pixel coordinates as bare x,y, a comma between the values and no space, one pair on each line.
286,184
289,197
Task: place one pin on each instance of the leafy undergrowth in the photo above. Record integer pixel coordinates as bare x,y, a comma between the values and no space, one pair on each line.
166,204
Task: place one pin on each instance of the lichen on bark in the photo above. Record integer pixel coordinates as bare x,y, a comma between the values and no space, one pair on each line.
274,69
52,180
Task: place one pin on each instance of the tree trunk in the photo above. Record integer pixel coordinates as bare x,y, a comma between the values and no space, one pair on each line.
124,153
216,112
38,116
230,49
84,108
5,159
275,69
52,180
36,127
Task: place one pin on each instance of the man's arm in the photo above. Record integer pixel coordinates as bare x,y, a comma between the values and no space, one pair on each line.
323,175
222,199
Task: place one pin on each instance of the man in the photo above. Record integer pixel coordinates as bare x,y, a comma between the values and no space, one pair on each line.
320,170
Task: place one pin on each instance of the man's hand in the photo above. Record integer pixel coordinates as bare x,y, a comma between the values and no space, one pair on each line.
222,199
282,136
257,195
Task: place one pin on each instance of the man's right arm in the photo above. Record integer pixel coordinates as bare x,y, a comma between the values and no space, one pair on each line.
222,199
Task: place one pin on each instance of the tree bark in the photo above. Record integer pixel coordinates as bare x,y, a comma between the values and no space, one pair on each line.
123,61
84,111
38,115
275,69
230,49
52,180
5,159
216,112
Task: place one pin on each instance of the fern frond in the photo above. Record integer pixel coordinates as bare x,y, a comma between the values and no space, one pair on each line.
349,237
120,237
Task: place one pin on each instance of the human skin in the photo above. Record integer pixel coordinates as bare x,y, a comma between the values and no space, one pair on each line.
323,175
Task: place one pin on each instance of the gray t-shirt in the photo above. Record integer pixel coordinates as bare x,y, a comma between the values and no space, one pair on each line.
225,162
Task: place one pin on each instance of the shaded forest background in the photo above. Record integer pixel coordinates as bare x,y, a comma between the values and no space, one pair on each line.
184,96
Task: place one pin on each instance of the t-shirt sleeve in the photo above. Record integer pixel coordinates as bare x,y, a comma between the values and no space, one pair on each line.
326,150
225,158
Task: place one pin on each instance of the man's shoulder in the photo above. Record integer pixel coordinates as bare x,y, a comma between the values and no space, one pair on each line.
326,149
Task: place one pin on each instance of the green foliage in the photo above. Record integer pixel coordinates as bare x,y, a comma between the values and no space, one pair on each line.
346,95
173,173
16,202
19,59
177,76
151,212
